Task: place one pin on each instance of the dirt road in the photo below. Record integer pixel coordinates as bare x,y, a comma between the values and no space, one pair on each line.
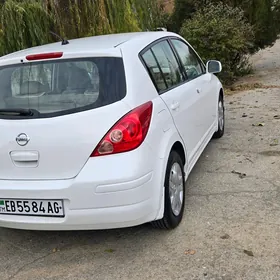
231,228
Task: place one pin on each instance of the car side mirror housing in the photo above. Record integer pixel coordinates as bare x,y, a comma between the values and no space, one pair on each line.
214,66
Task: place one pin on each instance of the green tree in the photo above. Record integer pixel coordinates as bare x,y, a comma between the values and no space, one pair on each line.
121,16
265,21
183,10
263,15
150,14
24,24
72,19
227,37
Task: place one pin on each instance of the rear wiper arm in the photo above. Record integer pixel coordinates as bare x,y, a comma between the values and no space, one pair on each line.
19,112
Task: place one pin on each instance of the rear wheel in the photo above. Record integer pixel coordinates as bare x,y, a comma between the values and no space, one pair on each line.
174,193
221,119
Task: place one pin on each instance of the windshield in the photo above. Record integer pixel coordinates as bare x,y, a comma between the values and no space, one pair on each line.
60,87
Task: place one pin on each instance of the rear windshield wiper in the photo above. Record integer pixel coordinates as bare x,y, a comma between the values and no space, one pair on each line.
19,112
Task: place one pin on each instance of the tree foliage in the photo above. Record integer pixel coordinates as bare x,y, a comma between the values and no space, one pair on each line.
24,24
72,19
227,37
227,30
150,14
265,20
263,15
183,10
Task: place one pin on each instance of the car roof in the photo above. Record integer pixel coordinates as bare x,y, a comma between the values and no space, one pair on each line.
92,44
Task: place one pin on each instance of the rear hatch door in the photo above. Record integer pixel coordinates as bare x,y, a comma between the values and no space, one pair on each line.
54,113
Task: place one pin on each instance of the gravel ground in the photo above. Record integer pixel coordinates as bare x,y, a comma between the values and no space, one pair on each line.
231,228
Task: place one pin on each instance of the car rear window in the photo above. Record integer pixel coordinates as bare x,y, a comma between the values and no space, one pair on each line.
59,87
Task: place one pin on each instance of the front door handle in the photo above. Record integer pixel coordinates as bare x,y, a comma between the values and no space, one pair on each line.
198,90
175,106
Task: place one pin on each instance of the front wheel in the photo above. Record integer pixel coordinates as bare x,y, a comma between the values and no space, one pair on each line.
174,193
221,119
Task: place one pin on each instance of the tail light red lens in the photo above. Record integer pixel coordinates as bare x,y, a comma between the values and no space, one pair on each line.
128,133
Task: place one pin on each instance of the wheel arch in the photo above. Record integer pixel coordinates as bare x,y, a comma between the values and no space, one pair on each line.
179,148
177,145
221,93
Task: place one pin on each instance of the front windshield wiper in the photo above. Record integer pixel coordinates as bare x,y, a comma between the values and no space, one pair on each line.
19,112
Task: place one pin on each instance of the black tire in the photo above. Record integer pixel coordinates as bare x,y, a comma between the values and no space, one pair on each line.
170,220
221,128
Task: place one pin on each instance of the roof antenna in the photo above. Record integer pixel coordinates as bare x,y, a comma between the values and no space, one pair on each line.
64,41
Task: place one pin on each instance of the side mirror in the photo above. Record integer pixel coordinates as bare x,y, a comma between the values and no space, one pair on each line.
214,66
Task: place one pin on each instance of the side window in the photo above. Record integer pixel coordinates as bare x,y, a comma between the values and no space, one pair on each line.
190,61
168,63
154,70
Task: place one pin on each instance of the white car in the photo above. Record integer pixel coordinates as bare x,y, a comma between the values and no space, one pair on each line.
102,132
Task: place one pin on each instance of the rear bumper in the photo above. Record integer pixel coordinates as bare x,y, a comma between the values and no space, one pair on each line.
86,219
106,194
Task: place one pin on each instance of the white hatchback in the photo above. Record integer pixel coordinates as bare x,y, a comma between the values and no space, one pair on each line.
102,132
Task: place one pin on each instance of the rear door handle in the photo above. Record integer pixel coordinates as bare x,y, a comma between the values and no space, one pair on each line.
25,159
175,106
24,156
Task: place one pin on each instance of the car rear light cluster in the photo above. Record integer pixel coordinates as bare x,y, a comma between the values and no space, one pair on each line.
128,133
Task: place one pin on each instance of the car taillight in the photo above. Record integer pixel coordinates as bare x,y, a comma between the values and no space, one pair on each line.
128,133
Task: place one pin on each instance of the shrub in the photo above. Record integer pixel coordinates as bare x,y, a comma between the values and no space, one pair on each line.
263,15
221,32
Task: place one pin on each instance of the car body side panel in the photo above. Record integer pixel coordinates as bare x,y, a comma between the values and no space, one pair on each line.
141,89
163,132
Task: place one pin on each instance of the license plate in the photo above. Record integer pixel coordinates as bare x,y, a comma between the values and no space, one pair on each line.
27,207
